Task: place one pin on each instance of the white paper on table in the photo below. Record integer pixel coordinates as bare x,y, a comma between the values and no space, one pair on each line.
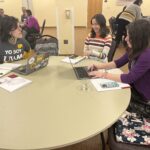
73,60
97,84
12,84
9,66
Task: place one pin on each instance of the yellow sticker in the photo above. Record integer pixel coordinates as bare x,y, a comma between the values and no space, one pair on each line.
20,45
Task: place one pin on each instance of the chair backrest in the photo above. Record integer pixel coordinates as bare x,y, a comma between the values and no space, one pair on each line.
47,43
112,51
43,26
113,25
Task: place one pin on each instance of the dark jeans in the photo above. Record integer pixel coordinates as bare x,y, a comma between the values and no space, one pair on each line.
31,36
121,30
137,105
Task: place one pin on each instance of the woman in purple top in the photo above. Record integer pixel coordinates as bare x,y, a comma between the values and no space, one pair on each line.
138,59
31,28
31,23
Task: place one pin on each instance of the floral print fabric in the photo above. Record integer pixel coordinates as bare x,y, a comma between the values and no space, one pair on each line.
133,128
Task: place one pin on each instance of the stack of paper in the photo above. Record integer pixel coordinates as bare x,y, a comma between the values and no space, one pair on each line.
12,83
73,60
7,67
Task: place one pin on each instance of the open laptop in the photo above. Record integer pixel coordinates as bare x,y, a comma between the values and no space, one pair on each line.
34,63
80,72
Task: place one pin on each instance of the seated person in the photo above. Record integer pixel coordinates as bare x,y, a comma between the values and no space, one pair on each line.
30,28
12,46
98,43
138,59
2,12
31,25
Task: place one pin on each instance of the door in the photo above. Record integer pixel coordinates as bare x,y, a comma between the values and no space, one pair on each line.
94,7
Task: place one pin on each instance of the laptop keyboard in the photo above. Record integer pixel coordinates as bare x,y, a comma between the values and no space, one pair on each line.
82,72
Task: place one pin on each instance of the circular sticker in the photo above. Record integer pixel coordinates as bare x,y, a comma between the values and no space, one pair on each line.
31,60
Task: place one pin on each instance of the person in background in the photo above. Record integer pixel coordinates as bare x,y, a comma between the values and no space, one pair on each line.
23,16
97,44
2,12
12,46
31,26
130,14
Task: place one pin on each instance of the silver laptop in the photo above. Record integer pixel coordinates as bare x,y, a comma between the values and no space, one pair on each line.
80,72
34,63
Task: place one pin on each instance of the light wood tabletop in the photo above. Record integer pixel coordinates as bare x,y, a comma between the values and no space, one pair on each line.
53,111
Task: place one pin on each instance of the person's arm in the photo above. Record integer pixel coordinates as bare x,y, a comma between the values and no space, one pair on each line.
106,75
26,48
141,66
111,65
106,48
86,47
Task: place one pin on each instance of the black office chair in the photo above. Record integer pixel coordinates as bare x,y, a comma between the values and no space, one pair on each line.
47,43
43,27
112,51
114,145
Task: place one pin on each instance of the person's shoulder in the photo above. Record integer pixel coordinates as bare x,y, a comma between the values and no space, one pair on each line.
133,6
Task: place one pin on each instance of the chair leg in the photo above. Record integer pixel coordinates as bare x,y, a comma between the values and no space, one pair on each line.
103,141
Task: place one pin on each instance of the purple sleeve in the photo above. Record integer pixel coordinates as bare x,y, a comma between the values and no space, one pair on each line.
141,66
122,60
30,23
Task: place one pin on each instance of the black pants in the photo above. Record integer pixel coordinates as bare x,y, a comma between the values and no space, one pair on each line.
31,36
138,105
121,30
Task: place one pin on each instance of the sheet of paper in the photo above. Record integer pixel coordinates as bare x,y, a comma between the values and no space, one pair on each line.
99,84
105,85
9,66
12,84
73,60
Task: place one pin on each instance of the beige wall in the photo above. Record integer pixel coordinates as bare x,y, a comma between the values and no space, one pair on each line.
111,9
12,7
46,9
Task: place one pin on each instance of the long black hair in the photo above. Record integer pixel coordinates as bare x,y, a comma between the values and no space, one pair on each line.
8,23
100,19
139,37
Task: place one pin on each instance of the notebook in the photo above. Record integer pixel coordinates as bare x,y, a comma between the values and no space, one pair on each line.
34,63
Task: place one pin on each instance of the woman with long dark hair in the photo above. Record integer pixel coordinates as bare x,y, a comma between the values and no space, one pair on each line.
138,59
12,46
98,43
